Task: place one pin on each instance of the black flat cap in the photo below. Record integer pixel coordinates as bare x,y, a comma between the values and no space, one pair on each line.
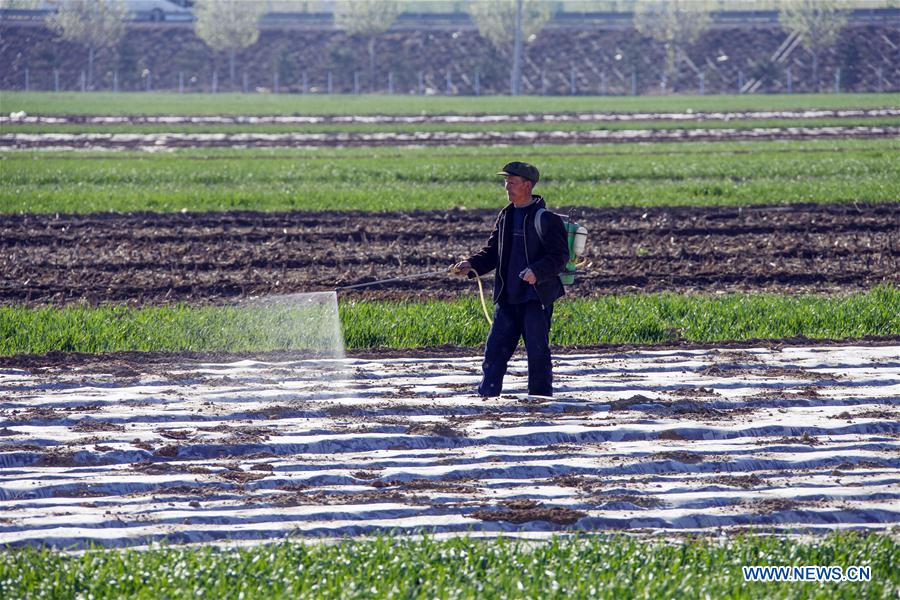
521,169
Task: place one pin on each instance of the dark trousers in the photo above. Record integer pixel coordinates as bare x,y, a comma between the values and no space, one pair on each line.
531,322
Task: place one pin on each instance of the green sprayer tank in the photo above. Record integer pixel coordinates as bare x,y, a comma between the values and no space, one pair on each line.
577,235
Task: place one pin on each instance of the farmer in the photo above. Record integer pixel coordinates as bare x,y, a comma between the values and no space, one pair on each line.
526,282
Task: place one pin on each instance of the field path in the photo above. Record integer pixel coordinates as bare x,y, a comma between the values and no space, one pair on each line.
118,453
159,141
485,119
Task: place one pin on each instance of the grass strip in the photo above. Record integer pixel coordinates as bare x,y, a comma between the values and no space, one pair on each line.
614,319
350,195
433,179
147,128
640,319
596,566
161,103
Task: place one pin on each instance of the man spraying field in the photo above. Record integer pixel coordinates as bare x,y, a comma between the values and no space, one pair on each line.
528,256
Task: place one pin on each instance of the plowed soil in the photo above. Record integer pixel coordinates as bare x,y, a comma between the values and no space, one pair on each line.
208,257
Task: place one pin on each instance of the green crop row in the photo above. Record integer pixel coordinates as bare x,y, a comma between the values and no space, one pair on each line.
315,104
593,166
597,566
77,128
644,319
409,179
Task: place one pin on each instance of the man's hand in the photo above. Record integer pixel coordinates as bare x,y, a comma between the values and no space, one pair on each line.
528,276
461,268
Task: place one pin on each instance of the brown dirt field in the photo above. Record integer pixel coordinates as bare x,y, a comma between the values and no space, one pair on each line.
210,257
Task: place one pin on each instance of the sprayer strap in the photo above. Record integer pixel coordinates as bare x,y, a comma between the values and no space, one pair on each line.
538,220
537,223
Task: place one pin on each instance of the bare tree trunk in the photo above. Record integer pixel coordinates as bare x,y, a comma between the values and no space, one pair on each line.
516,82
671,66
372,64
231,53
816,81
90,73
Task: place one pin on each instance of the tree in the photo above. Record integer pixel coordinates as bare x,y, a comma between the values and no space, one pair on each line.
817,23
370,19
228,26
675,23
507,24
94,24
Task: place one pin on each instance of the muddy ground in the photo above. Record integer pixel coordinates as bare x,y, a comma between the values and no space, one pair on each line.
209,257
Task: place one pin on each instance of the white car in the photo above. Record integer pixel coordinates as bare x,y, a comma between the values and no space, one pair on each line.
159,10
143,10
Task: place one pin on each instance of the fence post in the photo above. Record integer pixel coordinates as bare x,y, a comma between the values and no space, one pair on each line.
275,86
180,82
702,84
543,82
880,80
837,81
305,83
421,83
391,83
116,81
740,82
604,84
149,81
790,80
330,83
477,83
244,81
26,79
634,83
572,81
215,81
355,82
83,82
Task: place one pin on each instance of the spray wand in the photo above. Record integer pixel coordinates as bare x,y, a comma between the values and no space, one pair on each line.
422,276
392,279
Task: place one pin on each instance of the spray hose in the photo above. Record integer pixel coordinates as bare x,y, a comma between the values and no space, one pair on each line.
481,294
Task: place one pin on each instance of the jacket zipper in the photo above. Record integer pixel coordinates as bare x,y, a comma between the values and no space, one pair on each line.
499,261
528,260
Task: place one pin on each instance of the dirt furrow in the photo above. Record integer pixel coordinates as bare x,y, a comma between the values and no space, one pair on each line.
205,257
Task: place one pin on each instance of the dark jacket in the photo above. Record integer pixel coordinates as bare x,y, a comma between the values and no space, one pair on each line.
546,260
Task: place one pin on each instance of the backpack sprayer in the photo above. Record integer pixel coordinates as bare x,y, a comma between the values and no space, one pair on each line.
577,239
